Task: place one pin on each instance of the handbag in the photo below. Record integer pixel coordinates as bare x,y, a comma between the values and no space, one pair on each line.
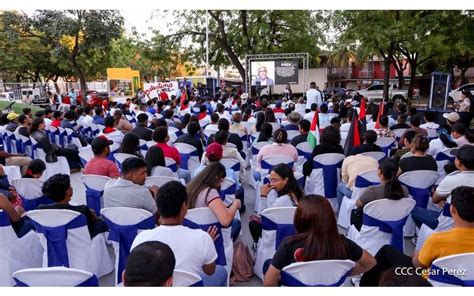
242,264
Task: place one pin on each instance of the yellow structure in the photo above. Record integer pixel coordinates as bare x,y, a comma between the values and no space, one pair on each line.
123,81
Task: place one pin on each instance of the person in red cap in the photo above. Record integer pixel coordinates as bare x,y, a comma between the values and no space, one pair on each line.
100,165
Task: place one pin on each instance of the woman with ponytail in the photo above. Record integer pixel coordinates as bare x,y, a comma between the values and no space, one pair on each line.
389,188
317,238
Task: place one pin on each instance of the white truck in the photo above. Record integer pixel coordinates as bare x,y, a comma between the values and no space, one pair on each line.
375,92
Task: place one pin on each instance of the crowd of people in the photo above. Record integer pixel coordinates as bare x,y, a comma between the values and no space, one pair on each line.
228,128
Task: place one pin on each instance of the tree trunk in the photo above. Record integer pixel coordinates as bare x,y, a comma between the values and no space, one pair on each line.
413,66
56,86
387,60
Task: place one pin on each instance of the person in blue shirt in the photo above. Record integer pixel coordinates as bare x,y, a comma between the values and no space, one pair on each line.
99,116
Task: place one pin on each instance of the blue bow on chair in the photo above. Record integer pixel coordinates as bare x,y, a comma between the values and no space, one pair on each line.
361,182
56,240
329,177
93,199
393,227
282,230
124,236
185,158
219,242
230,190
420,195
4,220
32,204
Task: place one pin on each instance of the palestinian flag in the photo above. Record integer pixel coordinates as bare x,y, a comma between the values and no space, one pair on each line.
184,97
362,118
377,124
313,135
353,136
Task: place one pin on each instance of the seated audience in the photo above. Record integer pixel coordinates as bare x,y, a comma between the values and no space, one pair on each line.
141,130
370,137
304,126
418,160
100,164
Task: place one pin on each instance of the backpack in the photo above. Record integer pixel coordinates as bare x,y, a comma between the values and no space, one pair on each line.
242,264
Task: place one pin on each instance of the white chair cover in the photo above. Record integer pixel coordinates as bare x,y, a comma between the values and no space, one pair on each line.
124,225
304,153
163,171
159,180
189,156
371,238
120,157
315,273
232,164
419,184
398,133
58,276
82,252
30,191
463,264
267,245
363,180
86,156
12,172
325,176
16,253
386,143
94,185
59,167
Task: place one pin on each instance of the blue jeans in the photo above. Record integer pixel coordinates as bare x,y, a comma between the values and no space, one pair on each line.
235,229
424,216
342,190
217,279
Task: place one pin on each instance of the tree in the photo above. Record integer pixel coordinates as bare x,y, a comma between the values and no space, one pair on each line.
233,34
370,33
74,34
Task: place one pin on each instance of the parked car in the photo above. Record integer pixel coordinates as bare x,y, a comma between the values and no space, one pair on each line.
455,94
7,96
375,92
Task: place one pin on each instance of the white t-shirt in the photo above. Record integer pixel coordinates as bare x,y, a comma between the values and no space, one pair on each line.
313,96
309,116
430,125
436,146
192,248
273,201
454,180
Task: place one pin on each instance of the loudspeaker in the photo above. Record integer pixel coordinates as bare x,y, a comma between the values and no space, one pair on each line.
439,90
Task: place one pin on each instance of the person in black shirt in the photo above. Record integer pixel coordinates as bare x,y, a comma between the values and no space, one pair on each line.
317,238
401,122
419,160
58,188
304,126
141,130
192,137
369,144
25,123
330,140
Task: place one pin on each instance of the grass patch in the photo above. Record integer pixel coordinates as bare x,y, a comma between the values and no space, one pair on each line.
18,108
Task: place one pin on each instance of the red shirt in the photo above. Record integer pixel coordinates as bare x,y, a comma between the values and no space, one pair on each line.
278,110
164,96
170,152
202,115
101,166
56,123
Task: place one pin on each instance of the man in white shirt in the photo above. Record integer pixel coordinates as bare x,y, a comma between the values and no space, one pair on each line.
313,96
129,190
464,162
309,116
430,117
194,249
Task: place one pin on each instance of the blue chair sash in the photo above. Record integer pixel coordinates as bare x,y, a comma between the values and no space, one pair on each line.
93,199
442,156
282,230
437,274
173,167
393,227
420,195
56,240
446,211
32,204
329,177
268,166
4,219
291,127
230,190
185,158
290,281
306,155
219,242
8,143
361,182
90,282
255,150
198,284
124,236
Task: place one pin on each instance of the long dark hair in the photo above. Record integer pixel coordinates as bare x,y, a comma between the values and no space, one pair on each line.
35,124
260,120
316,225
130,145
292,187
266,132
208,178
154,157
330,137
393,188
269,115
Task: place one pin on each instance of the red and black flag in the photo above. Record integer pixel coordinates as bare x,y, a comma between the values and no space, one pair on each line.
353,136
362,117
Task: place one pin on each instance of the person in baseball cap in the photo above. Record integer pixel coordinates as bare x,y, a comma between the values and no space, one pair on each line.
12,116
214,152
465,155
452,117
100,164
99,144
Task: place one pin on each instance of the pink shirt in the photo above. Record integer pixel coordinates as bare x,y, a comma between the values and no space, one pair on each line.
101,166
170,152
277,150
